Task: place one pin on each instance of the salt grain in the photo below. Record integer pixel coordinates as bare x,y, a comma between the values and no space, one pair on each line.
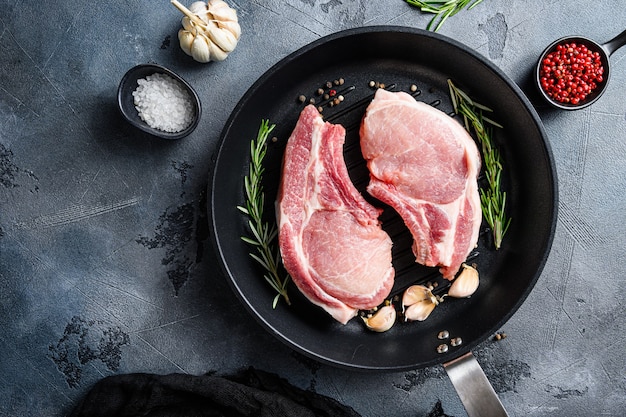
163,103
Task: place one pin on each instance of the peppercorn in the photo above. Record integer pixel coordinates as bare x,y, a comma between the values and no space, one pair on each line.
571,72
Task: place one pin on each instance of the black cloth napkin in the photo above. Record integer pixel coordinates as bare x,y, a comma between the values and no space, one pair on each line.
249,393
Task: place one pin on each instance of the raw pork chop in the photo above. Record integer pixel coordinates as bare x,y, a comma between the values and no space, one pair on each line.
425,165
330,238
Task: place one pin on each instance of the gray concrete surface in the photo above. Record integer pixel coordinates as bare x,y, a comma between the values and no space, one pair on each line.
105,262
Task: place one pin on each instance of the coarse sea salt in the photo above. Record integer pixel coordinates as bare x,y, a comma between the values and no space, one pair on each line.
163,103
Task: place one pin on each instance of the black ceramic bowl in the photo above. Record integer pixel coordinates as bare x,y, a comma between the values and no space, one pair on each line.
125,100
591,97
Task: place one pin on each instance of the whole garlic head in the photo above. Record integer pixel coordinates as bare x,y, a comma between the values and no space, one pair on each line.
210,30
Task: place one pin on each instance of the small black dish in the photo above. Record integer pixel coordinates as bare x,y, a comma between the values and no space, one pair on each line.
126,104
605,50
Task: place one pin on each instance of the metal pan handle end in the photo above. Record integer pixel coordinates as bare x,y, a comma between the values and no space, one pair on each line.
476,393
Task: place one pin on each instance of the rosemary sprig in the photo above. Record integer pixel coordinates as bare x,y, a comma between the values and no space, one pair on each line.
442,9
264,233
492,199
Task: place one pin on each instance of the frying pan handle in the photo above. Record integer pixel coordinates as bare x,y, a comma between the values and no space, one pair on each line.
615,43
476,393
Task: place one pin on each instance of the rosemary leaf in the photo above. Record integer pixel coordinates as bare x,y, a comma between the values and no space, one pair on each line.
492,199
255,231
264,234
250,241
259,260
491,122
272,283
275,302
442,9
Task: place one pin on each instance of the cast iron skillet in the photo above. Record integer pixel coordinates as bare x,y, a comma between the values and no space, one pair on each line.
398,57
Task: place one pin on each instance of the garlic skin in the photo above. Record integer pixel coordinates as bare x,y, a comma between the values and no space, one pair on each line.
382,320
418,302
210,30
465,284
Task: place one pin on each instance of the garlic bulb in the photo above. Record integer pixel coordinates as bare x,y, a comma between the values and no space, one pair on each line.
210,30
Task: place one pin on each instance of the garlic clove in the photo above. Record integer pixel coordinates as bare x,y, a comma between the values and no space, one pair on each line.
232,27
465,284
216,4
198,7
185,38
418,302
188,25
200,48
420,310
382,320
217,54
222,38
414,294
221,11
203,13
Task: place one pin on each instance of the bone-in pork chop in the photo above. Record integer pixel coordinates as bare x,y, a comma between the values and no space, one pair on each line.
330,238
424,164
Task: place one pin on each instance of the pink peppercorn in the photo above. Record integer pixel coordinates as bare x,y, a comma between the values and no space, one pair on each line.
571,72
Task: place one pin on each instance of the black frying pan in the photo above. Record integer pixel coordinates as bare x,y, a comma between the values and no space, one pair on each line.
398,57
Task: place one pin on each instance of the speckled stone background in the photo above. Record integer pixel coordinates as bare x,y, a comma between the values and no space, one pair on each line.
106,264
